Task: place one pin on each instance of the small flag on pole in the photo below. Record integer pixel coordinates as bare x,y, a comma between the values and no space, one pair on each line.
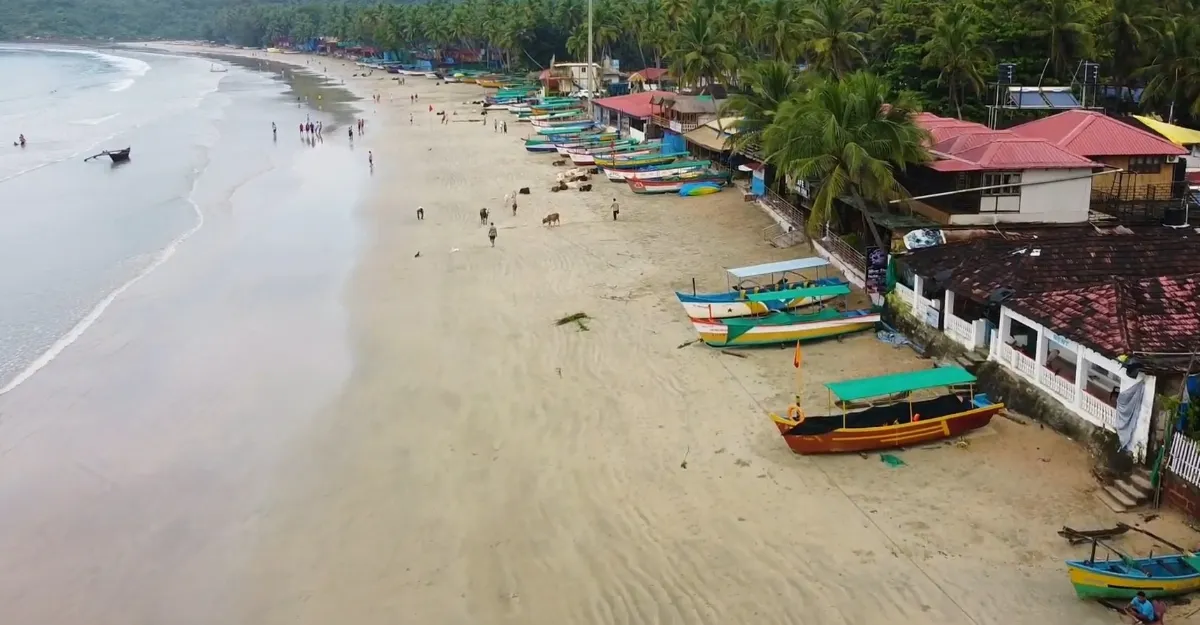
798,358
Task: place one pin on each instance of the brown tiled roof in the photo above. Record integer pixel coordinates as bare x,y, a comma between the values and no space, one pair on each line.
1059,259
1154,316
967,146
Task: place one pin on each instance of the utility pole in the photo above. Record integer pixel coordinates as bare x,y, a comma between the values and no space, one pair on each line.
590,89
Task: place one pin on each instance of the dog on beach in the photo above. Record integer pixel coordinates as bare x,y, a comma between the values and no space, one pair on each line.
550,220
585,187
559,163
483,216
524,191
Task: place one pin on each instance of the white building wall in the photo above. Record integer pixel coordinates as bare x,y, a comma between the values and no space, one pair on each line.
1059,196
1072,395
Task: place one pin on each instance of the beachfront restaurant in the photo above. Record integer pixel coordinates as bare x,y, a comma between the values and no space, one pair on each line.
629,114
1063,309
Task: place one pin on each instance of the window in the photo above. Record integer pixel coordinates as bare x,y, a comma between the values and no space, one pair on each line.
1002,183
1146,164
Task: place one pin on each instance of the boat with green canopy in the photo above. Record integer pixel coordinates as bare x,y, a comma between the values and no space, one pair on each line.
882,412
766,288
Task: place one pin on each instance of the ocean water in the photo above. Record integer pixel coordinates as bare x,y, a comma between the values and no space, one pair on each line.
74,234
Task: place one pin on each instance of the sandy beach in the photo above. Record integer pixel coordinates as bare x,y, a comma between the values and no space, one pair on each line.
481,465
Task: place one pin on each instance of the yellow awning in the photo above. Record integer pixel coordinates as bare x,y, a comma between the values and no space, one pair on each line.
1175,134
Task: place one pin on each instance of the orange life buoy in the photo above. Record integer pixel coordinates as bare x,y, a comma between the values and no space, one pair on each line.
795,414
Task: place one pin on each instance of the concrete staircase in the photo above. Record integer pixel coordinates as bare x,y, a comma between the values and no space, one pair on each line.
788,239
1129,493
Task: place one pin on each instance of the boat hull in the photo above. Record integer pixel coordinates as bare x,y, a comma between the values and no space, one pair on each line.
850,440
716,334
732,304
650,187
590,159
618,175
1091,581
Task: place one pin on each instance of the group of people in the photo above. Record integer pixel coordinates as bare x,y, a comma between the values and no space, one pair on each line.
499,125
414,98
307,128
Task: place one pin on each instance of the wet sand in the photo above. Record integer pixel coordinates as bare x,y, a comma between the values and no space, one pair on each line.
482,465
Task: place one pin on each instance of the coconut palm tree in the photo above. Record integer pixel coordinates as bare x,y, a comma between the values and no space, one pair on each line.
834,29
779,30
702,51
1067,28
765,87
849,137
1126,29
955,50
1174,72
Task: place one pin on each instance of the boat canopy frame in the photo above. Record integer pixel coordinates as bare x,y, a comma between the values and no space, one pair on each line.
880,386
737,277
834,290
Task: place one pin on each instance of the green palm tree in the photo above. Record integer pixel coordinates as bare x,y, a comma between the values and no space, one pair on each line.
702,51
954,48
1174,72
1126,29
834,29
779,30
849,137
766,86
1067,28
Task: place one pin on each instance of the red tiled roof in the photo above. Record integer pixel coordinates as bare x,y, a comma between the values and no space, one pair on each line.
967,146
1094,134
633,105
1158,315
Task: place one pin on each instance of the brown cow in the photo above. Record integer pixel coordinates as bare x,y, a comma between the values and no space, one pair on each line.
550,220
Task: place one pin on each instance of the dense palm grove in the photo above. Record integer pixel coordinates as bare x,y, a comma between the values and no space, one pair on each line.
828,124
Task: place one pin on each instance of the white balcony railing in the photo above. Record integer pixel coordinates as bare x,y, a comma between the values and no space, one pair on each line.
1103,415
960,330
1024,365
1061,387
906,294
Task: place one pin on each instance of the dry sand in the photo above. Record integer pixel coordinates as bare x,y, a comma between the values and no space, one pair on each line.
485,466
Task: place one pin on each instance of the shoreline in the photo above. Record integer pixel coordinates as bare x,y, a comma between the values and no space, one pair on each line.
478,456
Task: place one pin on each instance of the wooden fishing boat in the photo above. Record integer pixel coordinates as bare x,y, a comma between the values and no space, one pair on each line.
891,424
488,83
784,327
785,285
603,146
574,120
636,162
1122,579
673,185
566,130
656,172
117,156
631,150
556,116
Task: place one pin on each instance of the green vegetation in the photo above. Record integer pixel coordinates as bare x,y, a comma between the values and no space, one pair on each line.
829,124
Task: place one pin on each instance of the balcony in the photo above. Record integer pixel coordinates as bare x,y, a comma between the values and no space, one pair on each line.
674,125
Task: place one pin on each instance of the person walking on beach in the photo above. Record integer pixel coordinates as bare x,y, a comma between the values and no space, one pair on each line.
514,204
350,131
371,160
274,130
420,213
492,234
616,209
410,118
504,126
